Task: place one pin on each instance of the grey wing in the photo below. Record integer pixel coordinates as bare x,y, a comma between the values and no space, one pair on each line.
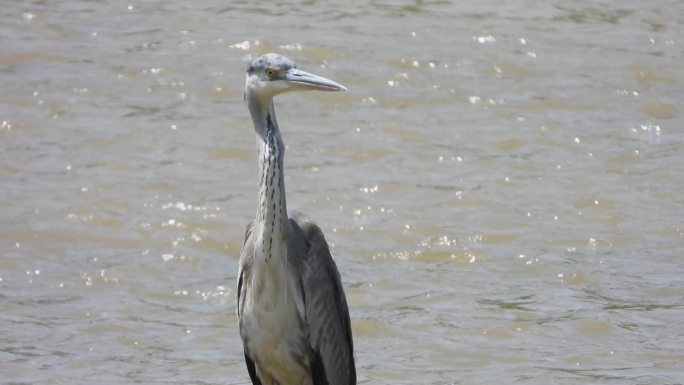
246,255
245,261
251,369
326,312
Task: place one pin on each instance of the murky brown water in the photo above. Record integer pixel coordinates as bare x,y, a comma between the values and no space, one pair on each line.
502,185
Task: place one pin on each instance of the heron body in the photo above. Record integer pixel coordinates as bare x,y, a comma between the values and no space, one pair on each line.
293,315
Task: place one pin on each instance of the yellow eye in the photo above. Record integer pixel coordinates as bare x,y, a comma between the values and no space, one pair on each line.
270,73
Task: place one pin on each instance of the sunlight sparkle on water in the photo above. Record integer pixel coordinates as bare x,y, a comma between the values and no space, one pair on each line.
485,39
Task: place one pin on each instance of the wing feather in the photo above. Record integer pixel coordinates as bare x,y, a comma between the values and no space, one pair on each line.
326,312
245,260
243,273
251,369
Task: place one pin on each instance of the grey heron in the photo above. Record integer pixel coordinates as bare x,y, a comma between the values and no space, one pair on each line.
293,315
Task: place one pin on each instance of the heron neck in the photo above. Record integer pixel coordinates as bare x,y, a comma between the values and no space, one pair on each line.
271,210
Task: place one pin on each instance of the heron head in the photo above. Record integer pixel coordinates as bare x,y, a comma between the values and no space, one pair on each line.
272,74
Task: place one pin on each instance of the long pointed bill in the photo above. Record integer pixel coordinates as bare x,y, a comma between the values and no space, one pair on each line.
301,80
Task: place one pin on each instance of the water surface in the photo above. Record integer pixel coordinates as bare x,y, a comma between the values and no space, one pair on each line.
501,186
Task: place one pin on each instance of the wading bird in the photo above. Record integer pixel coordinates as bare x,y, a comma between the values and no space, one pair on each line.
293,315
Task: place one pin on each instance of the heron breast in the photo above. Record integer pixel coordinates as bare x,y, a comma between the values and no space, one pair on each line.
275,342
271,324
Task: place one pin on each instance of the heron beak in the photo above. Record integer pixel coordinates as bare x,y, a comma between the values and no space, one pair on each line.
301,80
